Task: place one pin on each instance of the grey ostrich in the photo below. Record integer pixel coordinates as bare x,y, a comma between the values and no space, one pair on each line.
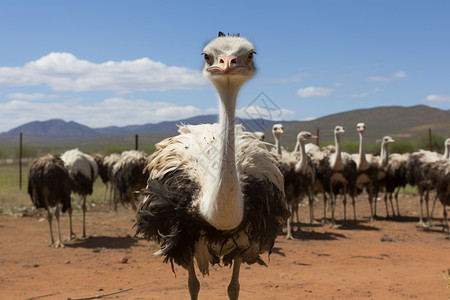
214,192
381,163
343,175
49,187
367,172
109,162
83,171
129,176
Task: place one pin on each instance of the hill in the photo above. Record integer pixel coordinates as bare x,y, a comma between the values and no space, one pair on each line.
408,123
52,129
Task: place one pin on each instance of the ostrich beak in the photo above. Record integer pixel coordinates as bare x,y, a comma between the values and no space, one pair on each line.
314,137
227,64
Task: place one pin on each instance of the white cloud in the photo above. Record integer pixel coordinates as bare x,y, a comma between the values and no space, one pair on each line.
438,98
311,91
112,111
294,78
399,74
362,95
308,118
34,96
65,72
389,78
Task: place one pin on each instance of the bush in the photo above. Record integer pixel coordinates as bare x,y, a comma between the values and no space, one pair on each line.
27,151
402,147
437,142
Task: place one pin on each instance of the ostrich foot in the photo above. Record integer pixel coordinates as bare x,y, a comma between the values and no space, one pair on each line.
72,236
325,221
314,222
57,245
422,225
84,237
290,236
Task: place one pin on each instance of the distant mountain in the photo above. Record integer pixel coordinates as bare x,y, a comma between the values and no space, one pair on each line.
60,129
53,129
398,122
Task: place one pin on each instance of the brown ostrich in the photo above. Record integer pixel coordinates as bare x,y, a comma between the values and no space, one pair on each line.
49,187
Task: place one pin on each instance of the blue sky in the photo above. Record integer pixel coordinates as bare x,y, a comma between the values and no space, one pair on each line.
103,63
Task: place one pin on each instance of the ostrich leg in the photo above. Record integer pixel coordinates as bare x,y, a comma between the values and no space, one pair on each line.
396,201
59,242
233,287
49,219
84,217
193,283
71,234
421,223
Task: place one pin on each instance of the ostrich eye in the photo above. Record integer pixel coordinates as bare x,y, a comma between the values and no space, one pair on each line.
207,58
250,56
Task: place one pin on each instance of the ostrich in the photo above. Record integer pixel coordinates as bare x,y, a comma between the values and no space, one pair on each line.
83,171
365,169
48,187
109,162
381,163
395,178
447,149
277,131
342,177
416,175
307,173
129,176
439,172
299,175
102,170
446,155
214,191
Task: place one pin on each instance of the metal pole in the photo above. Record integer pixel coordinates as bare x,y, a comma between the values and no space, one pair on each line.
136,142
429,140
20,162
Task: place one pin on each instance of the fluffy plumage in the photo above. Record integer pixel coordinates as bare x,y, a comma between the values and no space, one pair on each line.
214,192
176,173
82,170
129,176
48,187
417,167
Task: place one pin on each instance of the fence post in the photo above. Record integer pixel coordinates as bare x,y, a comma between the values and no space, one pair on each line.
136,142
20,162
317,133
430,143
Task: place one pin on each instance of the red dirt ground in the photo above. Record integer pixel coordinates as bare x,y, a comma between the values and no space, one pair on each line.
384,259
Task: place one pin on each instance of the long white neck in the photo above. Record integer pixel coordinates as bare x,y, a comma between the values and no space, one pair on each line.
297,147
447,152
384,155
222,204
362,155
337,163
277,144
301,164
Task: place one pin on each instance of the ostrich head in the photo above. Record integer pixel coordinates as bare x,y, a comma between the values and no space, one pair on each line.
277,130
360,127
304,136
228,61
338,130
387,140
